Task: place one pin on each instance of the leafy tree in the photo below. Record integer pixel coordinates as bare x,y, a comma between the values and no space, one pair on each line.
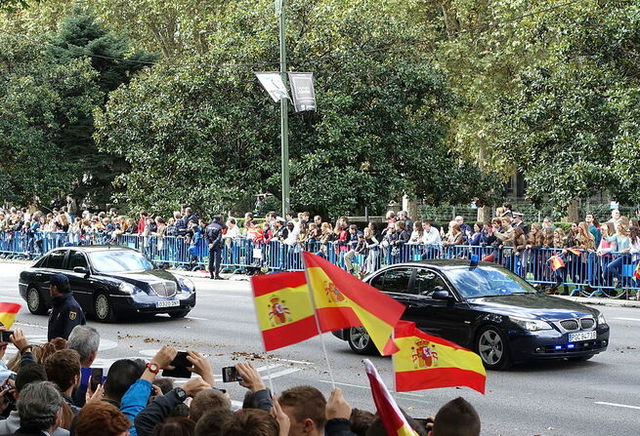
39,100
380,129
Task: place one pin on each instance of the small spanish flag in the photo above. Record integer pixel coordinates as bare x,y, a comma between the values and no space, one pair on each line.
556,262
427,362
343,301
636,273
8,312
574,251
390,414
284,310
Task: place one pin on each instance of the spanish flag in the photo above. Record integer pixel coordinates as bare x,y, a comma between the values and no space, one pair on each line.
284,310
427,362
8,312
556,262
344,301
574,251
390,414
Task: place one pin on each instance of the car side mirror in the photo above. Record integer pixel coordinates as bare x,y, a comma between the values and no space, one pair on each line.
442,294
81,270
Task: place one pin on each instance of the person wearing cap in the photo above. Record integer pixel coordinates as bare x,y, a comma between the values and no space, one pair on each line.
517,222
66,312
213,235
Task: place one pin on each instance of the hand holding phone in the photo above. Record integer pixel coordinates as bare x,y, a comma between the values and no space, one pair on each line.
180,366
5,335
96,378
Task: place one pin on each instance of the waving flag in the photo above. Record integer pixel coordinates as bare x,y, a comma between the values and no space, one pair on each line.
574,251
556,262
390,414
8,312
284,309
427,362
343,301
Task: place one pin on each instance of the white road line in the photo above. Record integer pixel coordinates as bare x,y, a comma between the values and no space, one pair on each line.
198,319
283,373
626,406
268,367
292,361
628,319
345,384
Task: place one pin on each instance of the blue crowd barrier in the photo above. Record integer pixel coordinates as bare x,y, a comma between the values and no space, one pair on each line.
581,272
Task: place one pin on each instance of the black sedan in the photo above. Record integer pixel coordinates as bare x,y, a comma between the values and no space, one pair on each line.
488,309
108,282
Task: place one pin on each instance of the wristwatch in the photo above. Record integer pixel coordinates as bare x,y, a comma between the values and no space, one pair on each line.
182,395
153,367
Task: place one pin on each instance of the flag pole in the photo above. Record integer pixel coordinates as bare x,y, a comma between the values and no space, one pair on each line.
315,315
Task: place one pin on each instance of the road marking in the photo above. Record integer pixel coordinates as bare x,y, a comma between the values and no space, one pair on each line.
345,384
283,373
626,406
105,344
628,319
198,319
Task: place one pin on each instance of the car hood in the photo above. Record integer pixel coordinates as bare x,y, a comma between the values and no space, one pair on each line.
538,306
141,278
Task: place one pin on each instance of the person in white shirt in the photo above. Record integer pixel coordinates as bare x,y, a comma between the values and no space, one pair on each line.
431,239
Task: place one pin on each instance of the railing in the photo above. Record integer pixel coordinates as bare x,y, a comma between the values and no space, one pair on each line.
575,272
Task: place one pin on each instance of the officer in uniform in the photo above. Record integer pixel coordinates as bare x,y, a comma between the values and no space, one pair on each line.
66,313
213,234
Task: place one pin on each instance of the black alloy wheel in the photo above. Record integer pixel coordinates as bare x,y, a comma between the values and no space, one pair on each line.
360,341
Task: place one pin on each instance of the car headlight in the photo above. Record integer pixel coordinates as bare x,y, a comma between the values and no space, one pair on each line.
531,325
186,284
601,319
127,288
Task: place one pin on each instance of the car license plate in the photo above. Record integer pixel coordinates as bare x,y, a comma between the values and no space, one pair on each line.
167,303
582,336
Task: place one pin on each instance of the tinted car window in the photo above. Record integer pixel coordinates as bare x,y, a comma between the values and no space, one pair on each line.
55,259
76,259
115,261
487,281
397,280
427,282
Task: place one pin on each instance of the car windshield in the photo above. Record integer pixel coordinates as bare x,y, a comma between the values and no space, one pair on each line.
116,261
487,282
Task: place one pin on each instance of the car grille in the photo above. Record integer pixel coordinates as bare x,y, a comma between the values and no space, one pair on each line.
164,289
569,324
587,323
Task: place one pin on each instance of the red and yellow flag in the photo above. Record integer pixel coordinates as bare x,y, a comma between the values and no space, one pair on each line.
390,414
8,312
427,362
574,251
343,301
556,262
284,309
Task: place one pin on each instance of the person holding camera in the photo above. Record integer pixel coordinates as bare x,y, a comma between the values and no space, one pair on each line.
66,312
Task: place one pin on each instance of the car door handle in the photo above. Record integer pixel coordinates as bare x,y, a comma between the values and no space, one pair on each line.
38,275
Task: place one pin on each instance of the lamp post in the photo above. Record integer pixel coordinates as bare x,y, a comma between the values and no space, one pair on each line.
284,108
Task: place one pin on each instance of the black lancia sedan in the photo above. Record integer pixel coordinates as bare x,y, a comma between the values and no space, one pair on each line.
108,282
488,309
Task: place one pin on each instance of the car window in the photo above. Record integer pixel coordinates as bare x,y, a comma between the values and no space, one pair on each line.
56,259
427,282
397,280
487,281
77,259
116,261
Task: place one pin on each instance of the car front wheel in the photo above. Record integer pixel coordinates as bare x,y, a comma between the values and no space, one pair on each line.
493,348
360,341
35,303
103,308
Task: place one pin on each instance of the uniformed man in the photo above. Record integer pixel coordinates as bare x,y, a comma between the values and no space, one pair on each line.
213,234
66,313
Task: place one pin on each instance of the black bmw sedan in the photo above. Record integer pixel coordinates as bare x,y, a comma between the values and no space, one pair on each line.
108,282
488,309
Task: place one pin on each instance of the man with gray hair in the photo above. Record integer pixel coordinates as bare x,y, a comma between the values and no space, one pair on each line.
40,409
86,341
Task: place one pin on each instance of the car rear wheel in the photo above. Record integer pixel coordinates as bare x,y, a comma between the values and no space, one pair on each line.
103,308
360,341
35,302
492,348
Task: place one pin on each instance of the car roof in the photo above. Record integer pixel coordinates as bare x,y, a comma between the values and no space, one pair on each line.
90,248
445,264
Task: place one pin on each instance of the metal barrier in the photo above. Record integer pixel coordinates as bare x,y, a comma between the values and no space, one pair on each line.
575,272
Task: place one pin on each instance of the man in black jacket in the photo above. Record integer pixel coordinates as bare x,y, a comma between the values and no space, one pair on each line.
213,235
66,313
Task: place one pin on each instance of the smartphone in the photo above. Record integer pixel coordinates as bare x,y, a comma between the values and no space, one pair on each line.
180,364
5,335
96,378
230,374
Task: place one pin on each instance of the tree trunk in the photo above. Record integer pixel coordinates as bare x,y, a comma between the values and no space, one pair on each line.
573,211
484,214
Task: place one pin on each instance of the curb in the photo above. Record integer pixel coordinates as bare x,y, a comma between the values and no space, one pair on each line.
602,301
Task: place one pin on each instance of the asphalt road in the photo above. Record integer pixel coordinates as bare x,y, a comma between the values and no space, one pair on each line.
601,396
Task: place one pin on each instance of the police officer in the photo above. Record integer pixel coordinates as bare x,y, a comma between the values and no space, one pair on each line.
213,234
66,313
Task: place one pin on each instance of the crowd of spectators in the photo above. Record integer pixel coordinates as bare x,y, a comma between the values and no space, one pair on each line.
45,393
506,239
